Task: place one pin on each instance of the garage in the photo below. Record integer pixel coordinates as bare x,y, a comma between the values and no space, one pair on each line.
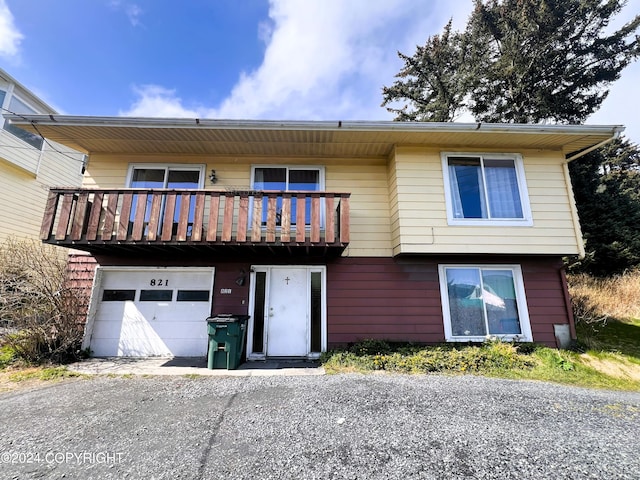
144,312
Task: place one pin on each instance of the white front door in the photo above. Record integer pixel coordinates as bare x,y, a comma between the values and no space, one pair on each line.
288,312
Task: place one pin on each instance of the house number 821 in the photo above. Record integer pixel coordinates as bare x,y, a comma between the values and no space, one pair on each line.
159,282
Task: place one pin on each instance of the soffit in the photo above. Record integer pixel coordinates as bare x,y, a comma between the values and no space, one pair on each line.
304,139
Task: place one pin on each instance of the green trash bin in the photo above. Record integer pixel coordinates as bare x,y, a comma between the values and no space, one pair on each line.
227,334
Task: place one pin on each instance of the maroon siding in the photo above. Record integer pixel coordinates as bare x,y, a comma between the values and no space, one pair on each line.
394,299
399,299
80,272
383,298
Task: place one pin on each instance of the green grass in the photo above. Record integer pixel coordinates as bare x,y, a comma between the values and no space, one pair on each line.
495,359
612,336
44,374
570,368
7,356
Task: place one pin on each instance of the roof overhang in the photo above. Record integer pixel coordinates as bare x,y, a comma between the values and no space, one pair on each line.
129,135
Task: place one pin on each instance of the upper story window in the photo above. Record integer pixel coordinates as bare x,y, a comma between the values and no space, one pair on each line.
166,176
15,105
486,189
288,179
147,176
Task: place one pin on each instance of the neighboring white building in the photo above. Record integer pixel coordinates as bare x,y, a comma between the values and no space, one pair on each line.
29,165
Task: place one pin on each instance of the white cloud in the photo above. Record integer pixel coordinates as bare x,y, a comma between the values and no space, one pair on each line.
156,101
328,60
10,36
131,10
325,59
133,13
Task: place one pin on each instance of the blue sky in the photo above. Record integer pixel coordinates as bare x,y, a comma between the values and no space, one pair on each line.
253,59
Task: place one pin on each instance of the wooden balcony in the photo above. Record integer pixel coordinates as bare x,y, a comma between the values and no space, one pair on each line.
115,221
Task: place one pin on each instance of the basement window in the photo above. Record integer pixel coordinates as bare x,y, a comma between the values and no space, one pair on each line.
480,302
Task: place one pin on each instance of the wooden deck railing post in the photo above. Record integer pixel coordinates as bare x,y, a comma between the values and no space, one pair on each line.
49,215
344,218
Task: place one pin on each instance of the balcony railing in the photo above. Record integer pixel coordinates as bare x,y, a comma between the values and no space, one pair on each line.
88,218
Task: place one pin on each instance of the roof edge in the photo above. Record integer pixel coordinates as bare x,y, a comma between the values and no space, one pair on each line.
157,122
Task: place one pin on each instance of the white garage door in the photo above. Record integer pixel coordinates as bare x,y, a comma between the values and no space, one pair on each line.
152,312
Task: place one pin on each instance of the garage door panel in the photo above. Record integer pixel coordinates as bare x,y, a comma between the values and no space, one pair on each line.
182,347
152,328
110,329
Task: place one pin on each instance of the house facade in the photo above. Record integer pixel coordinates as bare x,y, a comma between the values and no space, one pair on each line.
29,166
325,233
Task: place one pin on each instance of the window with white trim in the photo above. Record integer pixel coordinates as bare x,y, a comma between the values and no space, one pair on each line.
287,179
178,176
485,189
479,302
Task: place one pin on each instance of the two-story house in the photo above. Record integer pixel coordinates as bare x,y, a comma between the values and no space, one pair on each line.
29,166
325,233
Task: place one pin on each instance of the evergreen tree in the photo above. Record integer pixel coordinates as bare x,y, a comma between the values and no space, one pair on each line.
606,185
431,80
517,61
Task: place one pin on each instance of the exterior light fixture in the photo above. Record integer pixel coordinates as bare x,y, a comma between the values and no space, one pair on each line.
212,177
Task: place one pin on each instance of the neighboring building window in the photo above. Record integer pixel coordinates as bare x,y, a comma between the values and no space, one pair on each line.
18,106
288,179
479,302
486,188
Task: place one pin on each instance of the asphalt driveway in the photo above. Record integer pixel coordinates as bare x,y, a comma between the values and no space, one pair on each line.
324,427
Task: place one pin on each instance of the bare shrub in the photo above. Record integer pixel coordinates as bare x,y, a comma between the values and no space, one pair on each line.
39,314
596,300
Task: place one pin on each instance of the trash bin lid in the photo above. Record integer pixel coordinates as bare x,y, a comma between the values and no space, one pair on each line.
223,317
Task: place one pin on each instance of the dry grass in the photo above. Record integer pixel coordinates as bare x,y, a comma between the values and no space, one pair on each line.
600,299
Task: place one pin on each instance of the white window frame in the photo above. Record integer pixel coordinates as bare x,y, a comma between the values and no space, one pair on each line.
291,167
9,95
321,186
527,219
167,166
521,301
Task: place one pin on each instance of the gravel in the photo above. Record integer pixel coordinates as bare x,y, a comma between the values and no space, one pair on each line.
329,427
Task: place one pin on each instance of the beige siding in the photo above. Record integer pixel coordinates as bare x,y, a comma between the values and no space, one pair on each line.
23,193
366,180
370,222
420,219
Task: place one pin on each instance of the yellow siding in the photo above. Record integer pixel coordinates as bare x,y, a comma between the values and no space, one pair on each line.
420,219
370,222
23,193
399,206
366,180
